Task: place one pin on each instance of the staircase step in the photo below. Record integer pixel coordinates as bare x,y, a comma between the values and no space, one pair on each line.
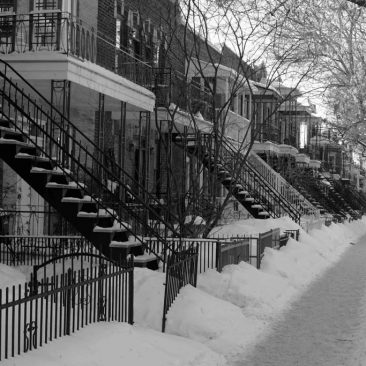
263,213
249,199
25,156
4,122
124,244
14,142
38,170
147,260
242,193
257,206
117,227
71,185
102,213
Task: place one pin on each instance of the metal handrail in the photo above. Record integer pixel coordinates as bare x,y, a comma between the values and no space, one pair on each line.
80,158
259,181
281,185
247,176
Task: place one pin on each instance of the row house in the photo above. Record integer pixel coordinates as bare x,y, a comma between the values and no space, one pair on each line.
160,132
93,60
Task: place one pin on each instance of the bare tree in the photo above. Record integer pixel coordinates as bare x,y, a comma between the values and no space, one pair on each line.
330,35
222,70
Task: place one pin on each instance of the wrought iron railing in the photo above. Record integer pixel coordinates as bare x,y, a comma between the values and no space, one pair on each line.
55,31
281,185
18,250
181,271
63,305
270,198
219,153
80,159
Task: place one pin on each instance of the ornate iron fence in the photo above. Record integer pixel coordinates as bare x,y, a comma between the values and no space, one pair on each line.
67,303
206,250
181,271
34,250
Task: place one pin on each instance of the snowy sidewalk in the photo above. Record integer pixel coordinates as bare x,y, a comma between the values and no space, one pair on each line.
327,325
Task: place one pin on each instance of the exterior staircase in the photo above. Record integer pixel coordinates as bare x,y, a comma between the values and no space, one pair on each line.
68,170
295,197
241,179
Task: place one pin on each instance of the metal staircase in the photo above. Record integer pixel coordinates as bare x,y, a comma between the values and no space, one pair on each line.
69,170
241,179
291,194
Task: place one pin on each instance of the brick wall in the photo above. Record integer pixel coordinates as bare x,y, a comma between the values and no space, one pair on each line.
106,24
88,12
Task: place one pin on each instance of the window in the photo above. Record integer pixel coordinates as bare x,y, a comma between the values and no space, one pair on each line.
119,9
247,107
134,19
241,105
45,21
147,26
7,6
39,5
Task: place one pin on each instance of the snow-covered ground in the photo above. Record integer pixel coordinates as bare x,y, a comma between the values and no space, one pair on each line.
225,316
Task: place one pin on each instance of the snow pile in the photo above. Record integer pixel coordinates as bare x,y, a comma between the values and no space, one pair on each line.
225,315
119,344
257,298
10,276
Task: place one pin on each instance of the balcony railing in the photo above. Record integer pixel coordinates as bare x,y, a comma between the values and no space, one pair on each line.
58,32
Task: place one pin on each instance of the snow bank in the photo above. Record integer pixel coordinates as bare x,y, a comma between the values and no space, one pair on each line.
10,276
119,344
229,311
225,315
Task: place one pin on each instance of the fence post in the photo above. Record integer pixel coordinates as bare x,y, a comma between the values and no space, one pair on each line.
259,244
34,282
130,293
68,301
165,296
218,256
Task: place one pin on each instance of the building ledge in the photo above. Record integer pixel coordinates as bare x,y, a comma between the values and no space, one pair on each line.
57,66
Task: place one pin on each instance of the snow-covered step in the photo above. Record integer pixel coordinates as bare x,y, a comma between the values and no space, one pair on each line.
145,258
124,244
25,156
102,213
71,185
258,206
249,199
38,170
14,142
117,227
85,199
263,213
222,171
243,193
111,229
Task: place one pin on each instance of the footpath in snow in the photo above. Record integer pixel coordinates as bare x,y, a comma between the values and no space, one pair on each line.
327,325
229,316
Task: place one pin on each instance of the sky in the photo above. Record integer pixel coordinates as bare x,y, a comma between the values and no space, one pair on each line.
225,316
